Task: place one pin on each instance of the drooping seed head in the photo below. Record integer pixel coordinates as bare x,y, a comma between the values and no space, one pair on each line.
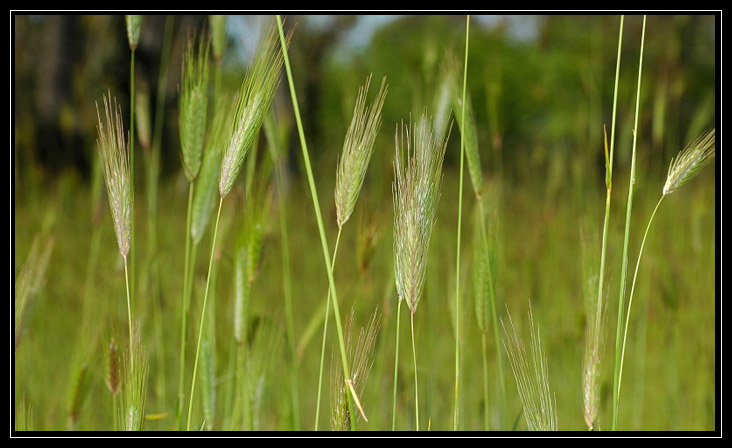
193,102
532,377
115,158
255,97
218,36
357,149
133,23
416,190
697,154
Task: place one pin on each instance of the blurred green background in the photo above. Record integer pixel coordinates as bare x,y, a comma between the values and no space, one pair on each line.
541,88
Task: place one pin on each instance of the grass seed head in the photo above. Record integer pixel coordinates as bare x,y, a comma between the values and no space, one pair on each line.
697,154
360,358
255,97
134,387
133,23
193,102
357,149
416,191
532,377
115,158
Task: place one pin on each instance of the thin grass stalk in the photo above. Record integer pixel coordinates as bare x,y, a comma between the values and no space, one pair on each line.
416,386
132,175
185,310
632,290
591,391
316,206
456,414
396,369
592,365
129,317
203,316
683,168
325,333
621,300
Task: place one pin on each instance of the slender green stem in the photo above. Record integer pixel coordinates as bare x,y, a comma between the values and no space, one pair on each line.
632,290
203,316
316,206
456,414
185,311
484,346
416,386
396,369
325,332
494,315
609,187
129,318
599,306
616,377
132,177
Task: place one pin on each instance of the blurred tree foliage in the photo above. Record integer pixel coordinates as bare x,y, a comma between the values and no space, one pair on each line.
540,102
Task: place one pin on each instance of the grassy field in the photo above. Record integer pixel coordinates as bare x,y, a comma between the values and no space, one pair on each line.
540,106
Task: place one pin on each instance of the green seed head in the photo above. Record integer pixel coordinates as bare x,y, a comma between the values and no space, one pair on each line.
697,154
357,150
115,158
193,102
416,190
255,97
134,23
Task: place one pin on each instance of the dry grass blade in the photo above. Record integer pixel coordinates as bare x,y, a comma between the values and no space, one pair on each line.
690,161
416,190
360,357
193,102
532,377
357,149
114,154
255,97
